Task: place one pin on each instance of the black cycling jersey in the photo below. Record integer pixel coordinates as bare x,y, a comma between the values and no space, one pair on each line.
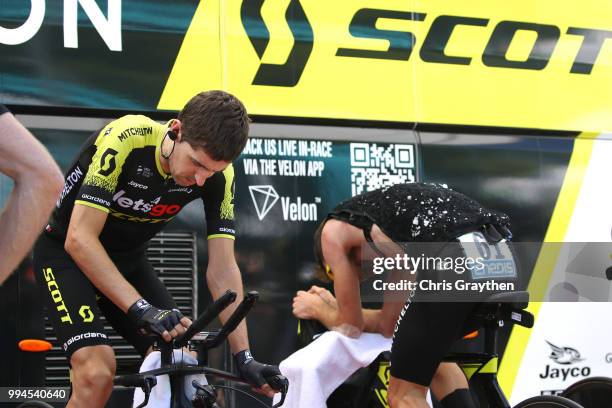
118,171
417,212
3,109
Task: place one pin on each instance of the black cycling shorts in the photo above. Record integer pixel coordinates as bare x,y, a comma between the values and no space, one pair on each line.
427,328
74,305
423,336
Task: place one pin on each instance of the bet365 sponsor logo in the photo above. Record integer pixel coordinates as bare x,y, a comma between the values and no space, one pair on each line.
265,197
566,357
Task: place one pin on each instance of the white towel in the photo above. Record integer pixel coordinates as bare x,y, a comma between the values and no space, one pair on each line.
315,371
160,394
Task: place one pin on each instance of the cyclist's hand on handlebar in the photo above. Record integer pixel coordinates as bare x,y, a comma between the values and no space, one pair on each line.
151,320
256,373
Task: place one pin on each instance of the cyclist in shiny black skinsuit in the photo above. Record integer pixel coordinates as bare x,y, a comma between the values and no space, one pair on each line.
410,217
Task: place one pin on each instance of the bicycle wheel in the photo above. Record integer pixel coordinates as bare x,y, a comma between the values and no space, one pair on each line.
591,392
548,401
35,404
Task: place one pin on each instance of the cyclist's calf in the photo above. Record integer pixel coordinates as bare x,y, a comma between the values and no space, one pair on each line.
93,371
406,394
447,378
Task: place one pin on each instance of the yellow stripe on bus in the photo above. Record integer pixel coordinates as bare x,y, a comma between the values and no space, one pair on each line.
562,214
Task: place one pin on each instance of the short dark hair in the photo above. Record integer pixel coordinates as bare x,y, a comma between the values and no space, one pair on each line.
217,122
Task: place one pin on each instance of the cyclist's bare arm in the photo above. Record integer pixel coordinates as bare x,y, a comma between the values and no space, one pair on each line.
84,246
38,184
222,274
395,300
338,241
319,304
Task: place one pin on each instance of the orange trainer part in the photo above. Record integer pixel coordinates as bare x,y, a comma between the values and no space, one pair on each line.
471,335
34,345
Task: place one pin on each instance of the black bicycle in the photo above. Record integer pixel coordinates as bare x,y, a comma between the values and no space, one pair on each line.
200,341
371,383
481,368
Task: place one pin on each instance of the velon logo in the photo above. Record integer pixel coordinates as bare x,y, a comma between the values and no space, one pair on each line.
289,73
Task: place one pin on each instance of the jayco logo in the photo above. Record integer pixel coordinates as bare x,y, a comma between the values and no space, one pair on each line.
289,73
564,356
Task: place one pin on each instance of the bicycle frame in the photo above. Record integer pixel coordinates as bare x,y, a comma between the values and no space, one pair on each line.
481,372
481,368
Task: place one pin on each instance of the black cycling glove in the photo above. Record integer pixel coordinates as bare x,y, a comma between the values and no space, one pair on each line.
149,319
254,372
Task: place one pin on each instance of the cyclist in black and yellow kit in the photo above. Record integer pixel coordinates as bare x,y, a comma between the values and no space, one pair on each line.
128,181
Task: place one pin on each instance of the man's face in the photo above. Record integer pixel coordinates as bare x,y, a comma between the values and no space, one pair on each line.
190,166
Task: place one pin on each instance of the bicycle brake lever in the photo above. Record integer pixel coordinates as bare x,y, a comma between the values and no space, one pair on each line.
148,383
279,383
204,396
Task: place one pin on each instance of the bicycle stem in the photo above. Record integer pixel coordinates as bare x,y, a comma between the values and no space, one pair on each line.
234,320
205,318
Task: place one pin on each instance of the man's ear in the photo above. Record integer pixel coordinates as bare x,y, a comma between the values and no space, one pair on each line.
175,130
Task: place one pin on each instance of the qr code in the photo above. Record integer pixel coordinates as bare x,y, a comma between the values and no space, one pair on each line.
374,166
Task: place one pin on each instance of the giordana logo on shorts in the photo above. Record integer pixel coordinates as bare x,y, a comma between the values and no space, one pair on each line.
84,336
565,356
264,198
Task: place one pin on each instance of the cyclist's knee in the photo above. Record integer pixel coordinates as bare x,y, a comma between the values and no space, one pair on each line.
406,394
93,367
